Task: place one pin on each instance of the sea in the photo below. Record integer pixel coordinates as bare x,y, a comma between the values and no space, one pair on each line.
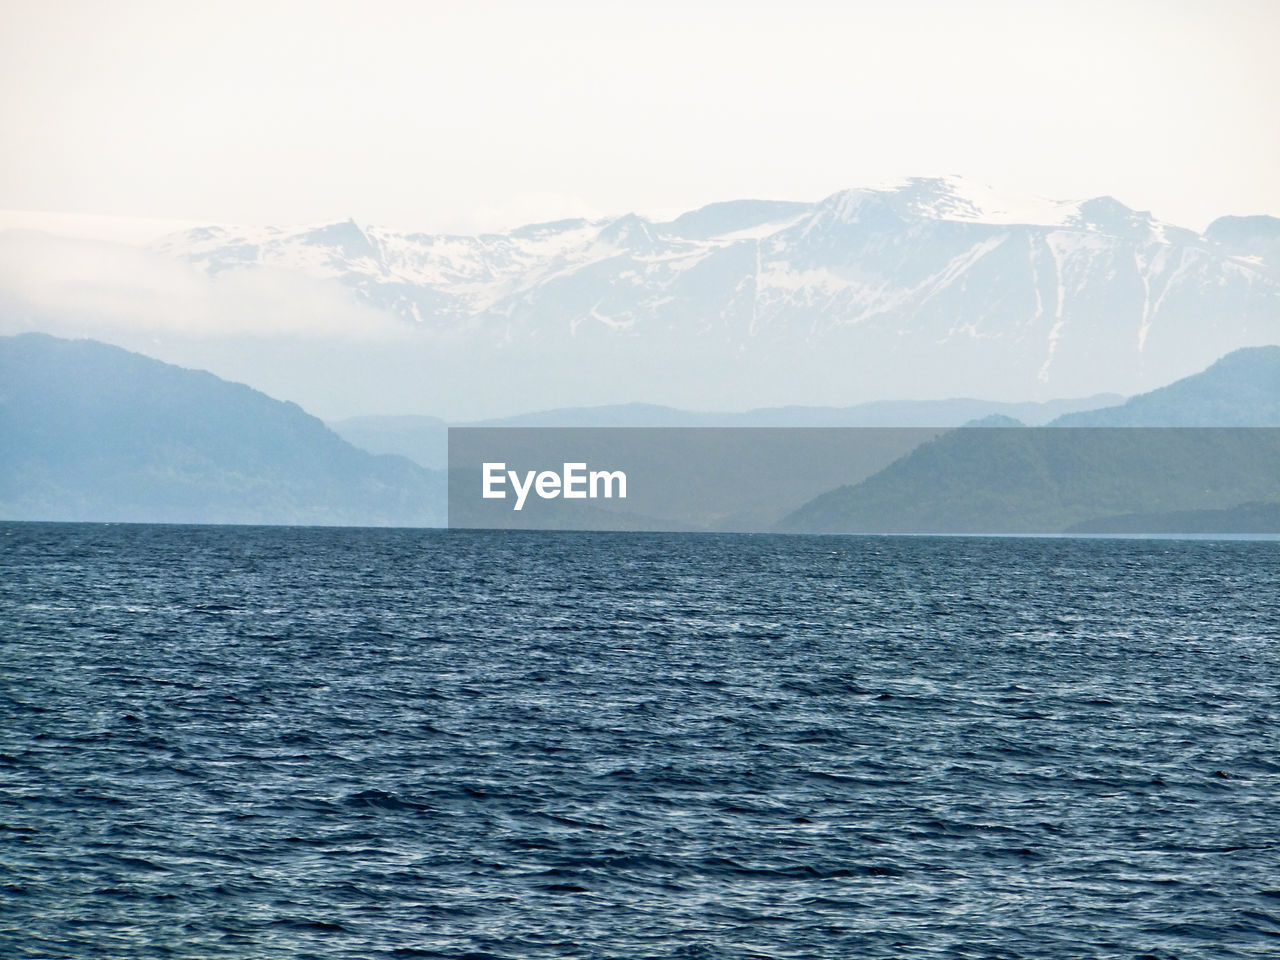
268,742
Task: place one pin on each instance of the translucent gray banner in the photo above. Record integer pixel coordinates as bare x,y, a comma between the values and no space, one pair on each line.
982,480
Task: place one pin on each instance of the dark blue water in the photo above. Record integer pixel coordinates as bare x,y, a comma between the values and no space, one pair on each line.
235,742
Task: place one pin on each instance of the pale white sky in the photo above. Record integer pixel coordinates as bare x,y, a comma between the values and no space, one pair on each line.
460,116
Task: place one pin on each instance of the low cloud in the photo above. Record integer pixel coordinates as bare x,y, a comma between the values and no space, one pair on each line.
79,287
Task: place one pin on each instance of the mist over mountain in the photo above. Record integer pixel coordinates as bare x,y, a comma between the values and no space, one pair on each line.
933,288
93,432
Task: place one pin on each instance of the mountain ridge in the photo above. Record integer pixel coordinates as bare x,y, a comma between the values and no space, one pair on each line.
423,439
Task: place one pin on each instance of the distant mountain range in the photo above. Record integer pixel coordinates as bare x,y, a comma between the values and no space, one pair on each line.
935,287
425,439
92,432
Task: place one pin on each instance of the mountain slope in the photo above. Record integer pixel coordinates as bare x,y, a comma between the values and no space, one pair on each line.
1203,457
93,432
1240,390
1030,481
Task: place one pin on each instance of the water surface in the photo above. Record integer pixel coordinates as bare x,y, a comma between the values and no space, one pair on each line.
274,742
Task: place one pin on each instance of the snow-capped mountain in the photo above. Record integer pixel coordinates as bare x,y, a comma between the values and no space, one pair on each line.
927,288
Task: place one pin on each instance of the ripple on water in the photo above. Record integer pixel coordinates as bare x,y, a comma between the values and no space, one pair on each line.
245,742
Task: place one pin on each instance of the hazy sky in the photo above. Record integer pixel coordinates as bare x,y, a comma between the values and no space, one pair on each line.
478,115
